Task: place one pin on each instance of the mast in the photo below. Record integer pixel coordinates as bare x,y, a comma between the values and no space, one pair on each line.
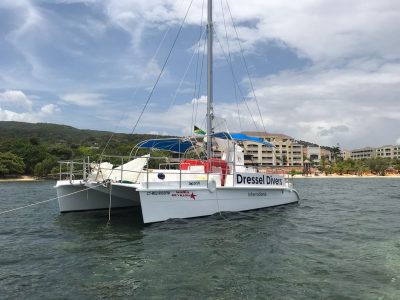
209,78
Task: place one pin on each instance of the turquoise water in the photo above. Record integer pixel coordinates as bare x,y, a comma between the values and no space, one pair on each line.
341,242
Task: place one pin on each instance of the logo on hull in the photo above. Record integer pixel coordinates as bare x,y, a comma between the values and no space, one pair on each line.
184,194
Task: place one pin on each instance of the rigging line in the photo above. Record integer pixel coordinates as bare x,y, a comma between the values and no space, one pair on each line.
181,82
230,63
109,207
162,69
237,83
246,66
200,81
238,111
197,66
192,121
137,88
48,200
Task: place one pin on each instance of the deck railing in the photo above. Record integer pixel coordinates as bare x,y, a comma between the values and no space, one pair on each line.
73,169
81,169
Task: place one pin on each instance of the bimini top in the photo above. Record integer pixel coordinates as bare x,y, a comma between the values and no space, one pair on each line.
241,138
180,145
173,144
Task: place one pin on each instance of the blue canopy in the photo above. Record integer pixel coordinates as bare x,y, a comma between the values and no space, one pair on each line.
172,144
241,137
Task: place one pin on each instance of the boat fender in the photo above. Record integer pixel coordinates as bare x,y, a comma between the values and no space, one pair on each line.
161,176
212,185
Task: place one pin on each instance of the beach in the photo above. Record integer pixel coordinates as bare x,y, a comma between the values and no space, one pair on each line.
21,178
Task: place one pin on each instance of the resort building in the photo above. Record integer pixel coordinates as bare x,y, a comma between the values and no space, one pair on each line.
363,153
287,151
388,151
345,154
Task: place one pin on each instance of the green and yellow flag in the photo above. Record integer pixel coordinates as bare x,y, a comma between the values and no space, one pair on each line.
197,130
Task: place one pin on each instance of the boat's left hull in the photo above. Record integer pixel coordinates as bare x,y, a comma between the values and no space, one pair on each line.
160,205
78,196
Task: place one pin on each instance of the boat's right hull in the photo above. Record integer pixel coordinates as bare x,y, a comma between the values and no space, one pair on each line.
160,205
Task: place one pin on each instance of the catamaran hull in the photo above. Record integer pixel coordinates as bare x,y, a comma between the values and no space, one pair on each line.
160,205
78,196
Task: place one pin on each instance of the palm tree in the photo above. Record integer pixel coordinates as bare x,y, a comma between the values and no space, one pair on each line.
335,152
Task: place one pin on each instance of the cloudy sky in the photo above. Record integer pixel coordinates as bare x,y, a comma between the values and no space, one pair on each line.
323,71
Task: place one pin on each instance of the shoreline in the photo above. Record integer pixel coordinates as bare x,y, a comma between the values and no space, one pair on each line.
18,179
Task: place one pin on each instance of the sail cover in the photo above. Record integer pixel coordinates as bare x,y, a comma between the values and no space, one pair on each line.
172,144
241,138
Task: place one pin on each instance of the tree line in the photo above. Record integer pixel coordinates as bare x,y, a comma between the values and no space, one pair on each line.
35,158
338,165
377,166
41,159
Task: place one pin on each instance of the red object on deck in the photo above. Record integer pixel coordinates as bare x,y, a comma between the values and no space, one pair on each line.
212,165
186,163
217,165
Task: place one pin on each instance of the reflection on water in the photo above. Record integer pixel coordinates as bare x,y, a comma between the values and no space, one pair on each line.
126,220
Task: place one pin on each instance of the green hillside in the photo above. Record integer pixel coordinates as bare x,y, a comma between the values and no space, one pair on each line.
54,133
35,149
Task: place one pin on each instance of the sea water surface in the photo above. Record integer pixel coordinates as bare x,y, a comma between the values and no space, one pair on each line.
342,241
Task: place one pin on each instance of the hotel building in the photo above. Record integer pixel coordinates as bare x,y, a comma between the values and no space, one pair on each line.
287,152
363,153
388,151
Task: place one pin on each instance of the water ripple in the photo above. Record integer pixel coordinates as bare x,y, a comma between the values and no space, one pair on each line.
342,241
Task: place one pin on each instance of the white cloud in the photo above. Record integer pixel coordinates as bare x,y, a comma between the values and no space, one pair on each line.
323,31
7,115
75,1
348,106
151,70
201,100
31,116
30,28
84,99
398,141
328,106
16,98
126,13
21,107
155,132
176,119
49,109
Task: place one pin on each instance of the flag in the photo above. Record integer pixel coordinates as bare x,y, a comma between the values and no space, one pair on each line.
197,130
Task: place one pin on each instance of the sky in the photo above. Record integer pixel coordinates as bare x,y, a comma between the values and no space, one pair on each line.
322,71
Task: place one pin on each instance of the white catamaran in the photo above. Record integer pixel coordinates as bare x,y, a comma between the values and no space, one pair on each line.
184,188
